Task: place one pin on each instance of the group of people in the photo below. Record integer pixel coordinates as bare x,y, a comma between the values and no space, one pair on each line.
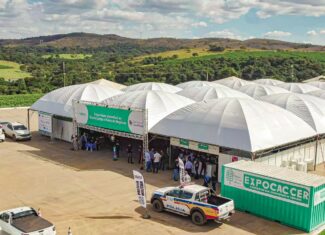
86,142
155,160
198,163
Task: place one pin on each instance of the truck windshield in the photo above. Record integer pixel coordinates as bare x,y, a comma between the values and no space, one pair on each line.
20,128
24,214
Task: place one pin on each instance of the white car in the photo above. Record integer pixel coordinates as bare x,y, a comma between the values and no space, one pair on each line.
25,221
2,135
17,131
196,201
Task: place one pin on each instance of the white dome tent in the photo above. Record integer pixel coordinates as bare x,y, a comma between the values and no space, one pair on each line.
192,84
158,103
207,93
298,87
232,82
152,86
318,93
109,84
318,84
258,90
268,81
309,108
235,123
59,101
56,107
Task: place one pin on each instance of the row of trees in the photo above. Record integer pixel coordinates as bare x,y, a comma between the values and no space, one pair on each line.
47,73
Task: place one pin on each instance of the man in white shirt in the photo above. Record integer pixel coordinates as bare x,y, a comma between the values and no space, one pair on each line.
156,161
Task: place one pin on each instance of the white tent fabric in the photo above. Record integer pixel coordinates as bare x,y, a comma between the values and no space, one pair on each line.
191,84
59,101
268,81
298,87
158,103
152,86
320,85
309,108
232,82
318,93
244,124
110,84
257,90
207,93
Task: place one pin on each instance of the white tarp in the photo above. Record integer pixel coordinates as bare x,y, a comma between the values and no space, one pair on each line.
257,90
59,101
268,81
152,86
238,123
309,108
109,84
318,93
298,87
318,84
207,93
191,84
232,82
158,103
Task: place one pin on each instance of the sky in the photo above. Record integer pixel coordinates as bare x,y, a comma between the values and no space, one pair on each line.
289,20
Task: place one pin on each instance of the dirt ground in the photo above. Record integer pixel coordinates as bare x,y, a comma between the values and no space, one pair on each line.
95,195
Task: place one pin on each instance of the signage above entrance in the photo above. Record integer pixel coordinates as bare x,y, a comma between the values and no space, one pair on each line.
197,146
118,119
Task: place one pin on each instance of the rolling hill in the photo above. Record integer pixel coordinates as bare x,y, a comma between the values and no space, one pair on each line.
87,40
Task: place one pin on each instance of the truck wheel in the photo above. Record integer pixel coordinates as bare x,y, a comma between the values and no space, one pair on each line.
157,205
198,218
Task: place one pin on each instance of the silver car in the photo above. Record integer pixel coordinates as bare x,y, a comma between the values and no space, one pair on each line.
17,131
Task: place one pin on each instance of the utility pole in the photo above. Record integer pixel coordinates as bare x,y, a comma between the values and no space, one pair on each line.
63,68
207,76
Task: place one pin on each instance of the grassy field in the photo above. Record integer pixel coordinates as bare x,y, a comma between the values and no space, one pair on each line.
237,55
181,54
11,71
68,56
18,100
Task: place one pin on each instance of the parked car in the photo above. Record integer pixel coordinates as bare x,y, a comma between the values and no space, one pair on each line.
17,131
25,221
196,201
2,135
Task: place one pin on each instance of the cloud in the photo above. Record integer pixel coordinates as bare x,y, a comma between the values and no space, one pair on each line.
312,33
322,31
277,34
224,34
200,24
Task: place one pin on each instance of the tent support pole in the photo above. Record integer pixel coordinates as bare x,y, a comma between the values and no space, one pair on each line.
28,119
315,161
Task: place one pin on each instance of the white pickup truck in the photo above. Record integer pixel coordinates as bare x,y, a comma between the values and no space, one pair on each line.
25,221
196,201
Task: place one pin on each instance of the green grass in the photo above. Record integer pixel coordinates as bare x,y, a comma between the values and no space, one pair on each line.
181,54
68,56
18,100
11,71
237,55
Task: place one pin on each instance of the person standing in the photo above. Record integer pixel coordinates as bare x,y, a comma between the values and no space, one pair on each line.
196,167
129,152
156,162
83,141
188,166
203,166
176,170
148,160
74,140
117,145
152,153
140,161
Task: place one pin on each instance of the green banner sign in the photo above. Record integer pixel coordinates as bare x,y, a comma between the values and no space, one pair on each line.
276,188
184,142
203,146
269,187
110,118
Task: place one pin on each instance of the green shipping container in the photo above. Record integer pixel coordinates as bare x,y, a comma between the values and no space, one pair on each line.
293,198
